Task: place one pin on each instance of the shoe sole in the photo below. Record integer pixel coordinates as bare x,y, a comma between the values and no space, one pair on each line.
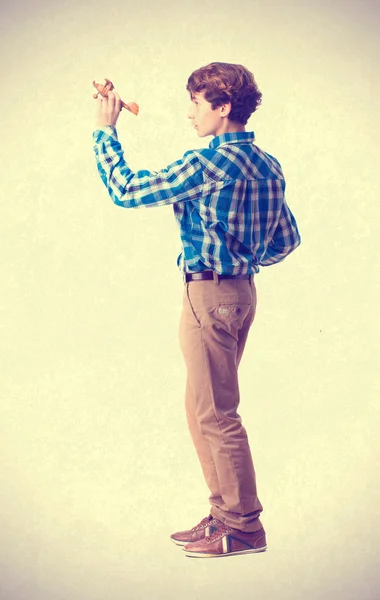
204,555
180,543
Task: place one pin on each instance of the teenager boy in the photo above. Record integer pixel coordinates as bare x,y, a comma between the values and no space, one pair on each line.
228,200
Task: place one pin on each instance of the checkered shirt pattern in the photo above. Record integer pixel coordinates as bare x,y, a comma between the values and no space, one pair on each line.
228,200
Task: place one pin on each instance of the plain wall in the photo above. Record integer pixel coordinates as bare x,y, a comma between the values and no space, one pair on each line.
97,465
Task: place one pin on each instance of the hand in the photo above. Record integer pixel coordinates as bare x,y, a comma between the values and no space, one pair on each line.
108,109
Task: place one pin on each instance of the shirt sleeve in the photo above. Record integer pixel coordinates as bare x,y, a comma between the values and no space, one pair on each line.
182,180
286,238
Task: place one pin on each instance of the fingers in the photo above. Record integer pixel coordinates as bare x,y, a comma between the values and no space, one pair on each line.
99,105
109,109
115,101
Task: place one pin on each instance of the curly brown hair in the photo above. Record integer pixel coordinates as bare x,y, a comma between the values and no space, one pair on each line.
227,82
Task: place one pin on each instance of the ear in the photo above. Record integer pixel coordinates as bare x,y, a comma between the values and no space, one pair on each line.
225,109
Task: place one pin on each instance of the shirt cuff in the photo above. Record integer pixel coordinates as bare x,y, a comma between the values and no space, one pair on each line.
101,132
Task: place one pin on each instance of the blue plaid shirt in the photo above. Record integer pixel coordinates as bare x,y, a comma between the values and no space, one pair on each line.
228,200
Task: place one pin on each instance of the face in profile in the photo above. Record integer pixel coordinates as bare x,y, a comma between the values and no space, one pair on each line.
204,119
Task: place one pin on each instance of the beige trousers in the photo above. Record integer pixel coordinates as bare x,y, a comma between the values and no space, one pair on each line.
214,326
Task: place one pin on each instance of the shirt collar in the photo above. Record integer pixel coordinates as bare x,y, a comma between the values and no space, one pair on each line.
235,137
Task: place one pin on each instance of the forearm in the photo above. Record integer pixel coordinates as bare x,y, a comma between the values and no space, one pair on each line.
101,138
275,254
110,163
286,238
180,181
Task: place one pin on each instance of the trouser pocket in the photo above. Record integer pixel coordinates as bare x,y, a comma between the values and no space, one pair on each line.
229,316
197,319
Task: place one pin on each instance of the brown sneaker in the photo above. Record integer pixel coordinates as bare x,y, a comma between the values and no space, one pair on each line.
226,541
206,527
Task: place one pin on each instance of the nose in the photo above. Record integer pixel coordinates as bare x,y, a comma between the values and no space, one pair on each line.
190,112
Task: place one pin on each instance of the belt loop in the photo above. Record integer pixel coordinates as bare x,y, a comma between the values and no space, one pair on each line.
215,277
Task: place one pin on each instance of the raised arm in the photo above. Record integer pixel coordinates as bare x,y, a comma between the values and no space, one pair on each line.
182,180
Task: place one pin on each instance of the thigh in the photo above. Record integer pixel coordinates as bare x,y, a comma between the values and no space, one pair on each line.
243,332
225,308
217,319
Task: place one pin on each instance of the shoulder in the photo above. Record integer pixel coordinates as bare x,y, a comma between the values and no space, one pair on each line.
212,161
266,156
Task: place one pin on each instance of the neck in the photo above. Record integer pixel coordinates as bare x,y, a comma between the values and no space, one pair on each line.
230,127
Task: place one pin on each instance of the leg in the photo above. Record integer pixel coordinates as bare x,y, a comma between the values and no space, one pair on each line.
214,328
202,445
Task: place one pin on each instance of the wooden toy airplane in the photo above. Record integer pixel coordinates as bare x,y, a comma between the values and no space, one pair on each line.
103,91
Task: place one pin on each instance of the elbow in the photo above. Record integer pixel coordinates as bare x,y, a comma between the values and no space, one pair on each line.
297,242
120,199
119,202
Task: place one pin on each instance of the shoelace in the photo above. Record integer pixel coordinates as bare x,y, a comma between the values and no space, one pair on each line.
218,533
203,522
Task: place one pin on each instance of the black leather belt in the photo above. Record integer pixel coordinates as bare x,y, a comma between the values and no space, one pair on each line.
202,275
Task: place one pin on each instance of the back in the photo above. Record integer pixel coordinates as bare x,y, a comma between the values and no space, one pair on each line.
240,211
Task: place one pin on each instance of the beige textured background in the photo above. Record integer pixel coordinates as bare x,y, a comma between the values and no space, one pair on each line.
97,466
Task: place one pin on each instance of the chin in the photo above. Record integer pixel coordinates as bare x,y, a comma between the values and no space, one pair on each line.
202,134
